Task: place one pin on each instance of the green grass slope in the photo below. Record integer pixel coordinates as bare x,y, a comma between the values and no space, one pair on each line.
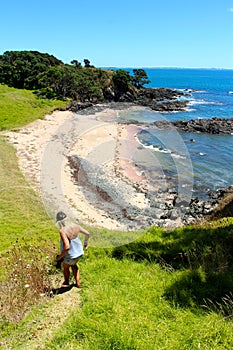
19,107
22,214
125,307
165,290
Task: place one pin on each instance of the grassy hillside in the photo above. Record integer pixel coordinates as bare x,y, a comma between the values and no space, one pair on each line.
22,213
166,290
19,107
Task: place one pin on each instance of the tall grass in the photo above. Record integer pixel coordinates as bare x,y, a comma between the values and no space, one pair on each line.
27,278
28,241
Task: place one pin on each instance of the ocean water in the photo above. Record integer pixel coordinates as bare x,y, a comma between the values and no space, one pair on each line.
201,159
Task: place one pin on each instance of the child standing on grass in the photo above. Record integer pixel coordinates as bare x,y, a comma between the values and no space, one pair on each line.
71,248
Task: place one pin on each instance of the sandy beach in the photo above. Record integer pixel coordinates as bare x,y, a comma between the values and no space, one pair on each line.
108,190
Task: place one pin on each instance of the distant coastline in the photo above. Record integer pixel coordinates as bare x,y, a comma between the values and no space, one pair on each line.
102,151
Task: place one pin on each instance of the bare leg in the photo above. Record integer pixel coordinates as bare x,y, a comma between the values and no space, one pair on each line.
76,274
66,272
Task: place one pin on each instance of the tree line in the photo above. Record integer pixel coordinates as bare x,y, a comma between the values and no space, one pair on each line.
49,77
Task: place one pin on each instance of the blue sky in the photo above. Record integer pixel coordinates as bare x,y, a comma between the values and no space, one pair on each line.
117,33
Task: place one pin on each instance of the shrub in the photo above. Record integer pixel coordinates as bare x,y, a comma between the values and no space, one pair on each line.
28,278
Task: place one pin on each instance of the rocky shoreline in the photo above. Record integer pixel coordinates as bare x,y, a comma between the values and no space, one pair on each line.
160,99
164,211
121,203
209,126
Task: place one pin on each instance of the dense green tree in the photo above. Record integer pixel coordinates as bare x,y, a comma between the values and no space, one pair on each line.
87,63
87,90
140,78
21,69
51,78
62,80
66,81
91,82
76,63
121,80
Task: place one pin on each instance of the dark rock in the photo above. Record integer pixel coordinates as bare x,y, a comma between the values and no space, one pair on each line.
210,126
109,94
160,99
75,106
224,205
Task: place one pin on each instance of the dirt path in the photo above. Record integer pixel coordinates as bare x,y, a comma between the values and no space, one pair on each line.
47,323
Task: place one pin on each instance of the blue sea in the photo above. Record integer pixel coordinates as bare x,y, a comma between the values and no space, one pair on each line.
204,159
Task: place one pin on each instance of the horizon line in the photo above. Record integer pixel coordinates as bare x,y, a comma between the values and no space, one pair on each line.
165,67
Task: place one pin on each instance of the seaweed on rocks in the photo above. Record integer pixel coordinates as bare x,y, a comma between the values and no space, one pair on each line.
163,210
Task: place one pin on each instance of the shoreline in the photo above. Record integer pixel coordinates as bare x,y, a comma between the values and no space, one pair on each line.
92,167
31,141
105,177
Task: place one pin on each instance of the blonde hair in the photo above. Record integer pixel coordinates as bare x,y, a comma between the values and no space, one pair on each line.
60,224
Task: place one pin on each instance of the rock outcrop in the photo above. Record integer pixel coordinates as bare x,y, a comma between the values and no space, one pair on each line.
224,207
210,126
161,99
164,207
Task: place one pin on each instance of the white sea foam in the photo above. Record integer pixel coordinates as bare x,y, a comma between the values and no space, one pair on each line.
230,92
175,155
190,109
203,102
191,91
161,150
158,149
170,112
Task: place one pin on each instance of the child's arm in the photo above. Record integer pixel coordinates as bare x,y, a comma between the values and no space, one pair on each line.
87,235
66,245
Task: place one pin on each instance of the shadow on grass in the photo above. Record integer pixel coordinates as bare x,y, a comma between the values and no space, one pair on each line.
61,290
201,256
197,288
